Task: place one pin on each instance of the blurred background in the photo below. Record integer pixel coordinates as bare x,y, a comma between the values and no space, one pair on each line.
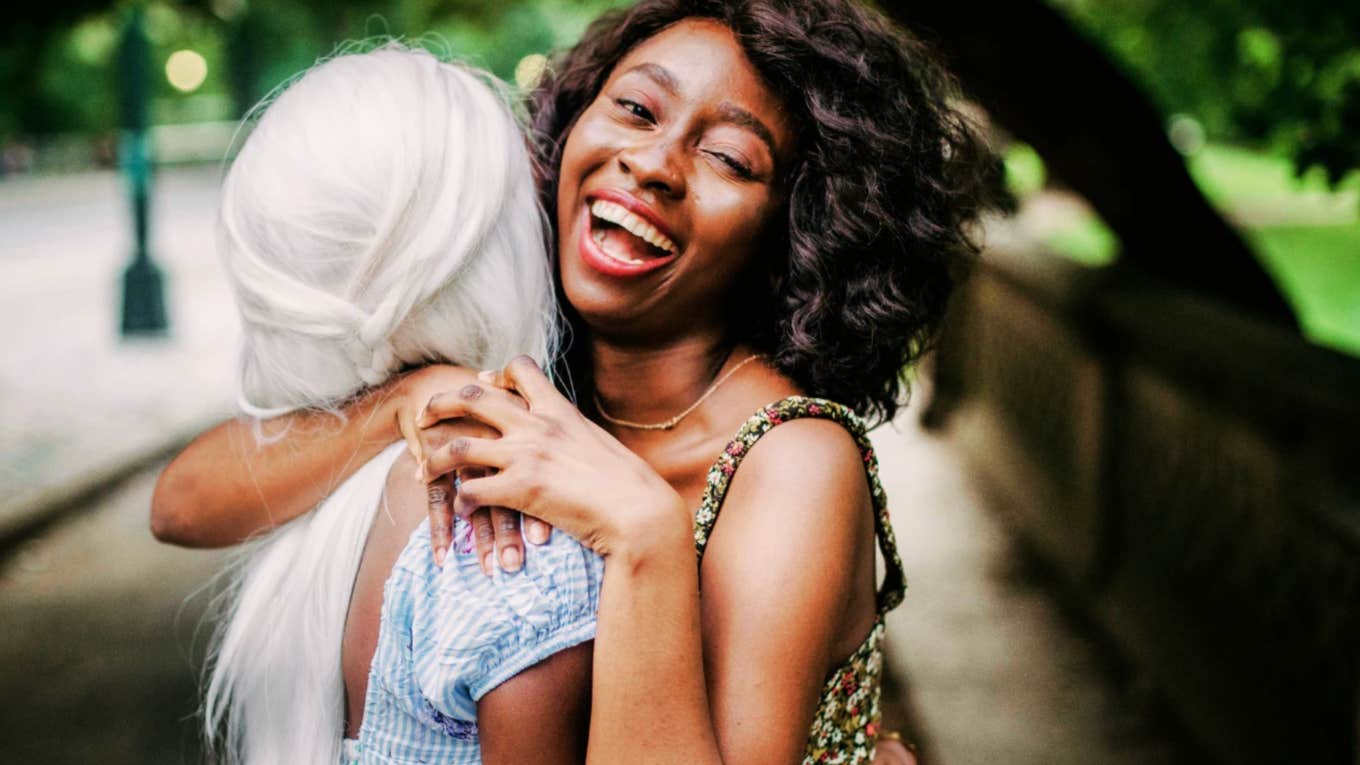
1126,490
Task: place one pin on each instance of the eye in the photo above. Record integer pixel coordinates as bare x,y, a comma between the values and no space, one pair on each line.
636,109
737,166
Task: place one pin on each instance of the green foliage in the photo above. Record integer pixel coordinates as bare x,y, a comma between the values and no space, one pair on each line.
1085,239
1304,232
1230,176
74,80
1025,171
62,77
1283,76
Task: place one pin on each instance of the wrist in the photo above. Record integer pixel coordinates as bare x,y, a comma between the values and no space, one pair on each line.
663,531
382,422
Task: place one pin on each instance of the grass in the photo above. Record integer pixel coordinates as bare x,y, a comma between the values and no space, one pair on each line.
1314,258
1085,239
1229,175
1318,269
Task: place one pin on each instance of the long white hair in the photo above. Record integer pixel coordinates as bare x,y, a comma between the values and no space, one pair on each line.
382,214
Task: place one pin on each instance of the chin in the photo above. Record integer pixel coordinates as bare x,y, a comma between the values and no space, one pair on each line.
602,305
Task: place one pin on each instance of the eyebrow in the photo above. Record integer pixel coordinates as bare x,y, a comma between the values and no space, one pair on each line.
727,112
658,74
731,113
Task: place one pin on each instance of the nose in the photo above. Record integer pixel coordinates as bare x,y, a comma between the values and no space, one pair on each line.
655,165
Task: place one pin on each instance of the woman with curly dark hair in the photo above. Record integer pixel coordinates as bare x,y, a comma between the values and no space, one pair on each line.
761,206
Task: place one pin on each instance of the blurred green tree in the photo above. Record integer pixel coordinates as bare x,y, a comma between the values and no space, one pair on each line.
1052,87
56,60
1283,75
1280,75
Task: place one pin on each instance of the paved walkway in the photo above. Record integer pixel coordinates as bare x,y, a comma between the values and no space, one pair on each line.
995,672
102,638
77,404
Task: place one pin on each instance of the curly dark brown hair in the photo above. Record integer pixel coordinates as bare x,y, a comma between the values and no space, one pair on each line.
886,181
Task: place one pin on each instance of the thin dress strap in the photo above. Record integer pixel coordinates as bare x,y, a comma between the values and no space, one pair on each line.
760,423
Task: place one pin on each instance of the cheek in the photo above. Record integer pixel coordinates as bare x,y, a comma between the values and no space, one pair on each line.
732,236
737,218
588,147
592,135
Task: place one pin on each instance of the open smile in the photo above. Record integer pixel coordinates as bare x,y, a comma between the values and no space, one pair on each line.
621,236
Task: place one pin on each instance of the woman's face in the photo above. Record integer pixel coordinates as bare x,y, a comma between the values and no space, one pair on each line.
668,184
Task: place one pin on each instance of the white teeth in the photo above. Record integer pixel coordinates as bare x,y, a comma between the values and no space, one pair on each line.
598,236
619,215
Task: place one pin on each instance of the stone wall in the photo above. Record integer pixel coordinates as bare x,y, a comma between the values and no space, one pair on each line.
1190,474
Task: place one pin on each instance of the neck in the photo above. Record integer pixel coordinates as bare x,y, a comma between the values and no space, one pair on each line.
653,383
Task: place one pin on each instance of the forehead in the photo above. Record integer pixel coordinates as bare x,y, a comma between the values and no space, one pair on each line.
710,68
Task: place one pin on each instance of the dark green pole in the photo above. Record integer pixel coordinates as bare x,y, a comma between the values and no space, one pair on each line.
143,287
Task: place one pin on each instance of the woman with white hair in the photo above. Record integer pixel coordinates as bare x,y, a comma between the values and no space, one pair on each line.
382,215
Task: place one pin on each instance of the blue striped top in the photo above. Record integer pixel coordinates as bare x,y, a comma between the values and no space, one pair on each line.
450,636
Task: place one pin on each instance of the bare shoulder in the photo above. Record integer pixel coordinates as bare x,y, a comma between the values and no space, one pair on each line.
787,576
806,465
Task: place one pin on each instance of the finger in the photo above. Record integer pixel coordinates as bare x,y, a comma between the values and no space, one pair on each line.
429,440
465,451
487,404
522,374
509,543
440,495
442,433
410,434
496,490
536,532
484,538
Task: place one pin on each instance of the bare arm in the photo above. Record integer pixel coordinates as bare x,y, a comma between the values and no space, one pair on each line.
786,577
227,485
776,605
788,587
540,715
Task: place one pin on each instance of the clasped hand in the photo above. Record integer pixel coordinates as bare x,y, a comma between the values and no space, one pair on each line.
517,446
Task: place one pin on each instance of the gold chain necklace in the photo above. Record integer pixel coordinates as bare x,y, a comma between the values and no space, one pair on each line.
672,422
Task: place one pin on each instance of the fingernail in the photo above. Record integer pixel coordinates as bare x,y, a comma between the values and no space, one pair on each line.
439,555
538,532
487,376
489,564
510,559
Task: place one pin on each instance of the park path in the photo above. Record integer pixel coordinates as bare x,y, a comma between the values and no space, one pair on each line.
98,620
995,671
102,636
77,404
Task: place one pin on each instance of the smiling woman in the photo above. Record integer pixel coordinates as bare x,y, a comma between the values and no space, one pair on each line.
875,177
686,139
761,208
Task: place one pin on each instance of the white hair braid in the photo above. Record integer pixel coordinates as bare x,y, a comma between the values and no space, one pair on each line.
382,214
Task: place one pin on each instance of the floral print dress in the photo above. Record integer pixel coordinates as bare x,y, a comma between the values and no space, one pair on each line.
845,728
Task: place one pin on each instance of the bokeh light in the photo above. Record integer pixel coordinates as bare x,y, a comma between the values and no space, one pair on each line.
186,70
530,70
1185,133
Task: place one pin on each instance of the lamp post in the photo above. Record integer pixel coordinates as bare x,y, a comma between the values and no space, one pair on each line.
143,287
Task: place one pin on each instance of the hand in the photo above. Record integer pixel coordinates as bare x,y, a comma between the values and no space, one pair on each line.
552,463
498,536
496,532
410,394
